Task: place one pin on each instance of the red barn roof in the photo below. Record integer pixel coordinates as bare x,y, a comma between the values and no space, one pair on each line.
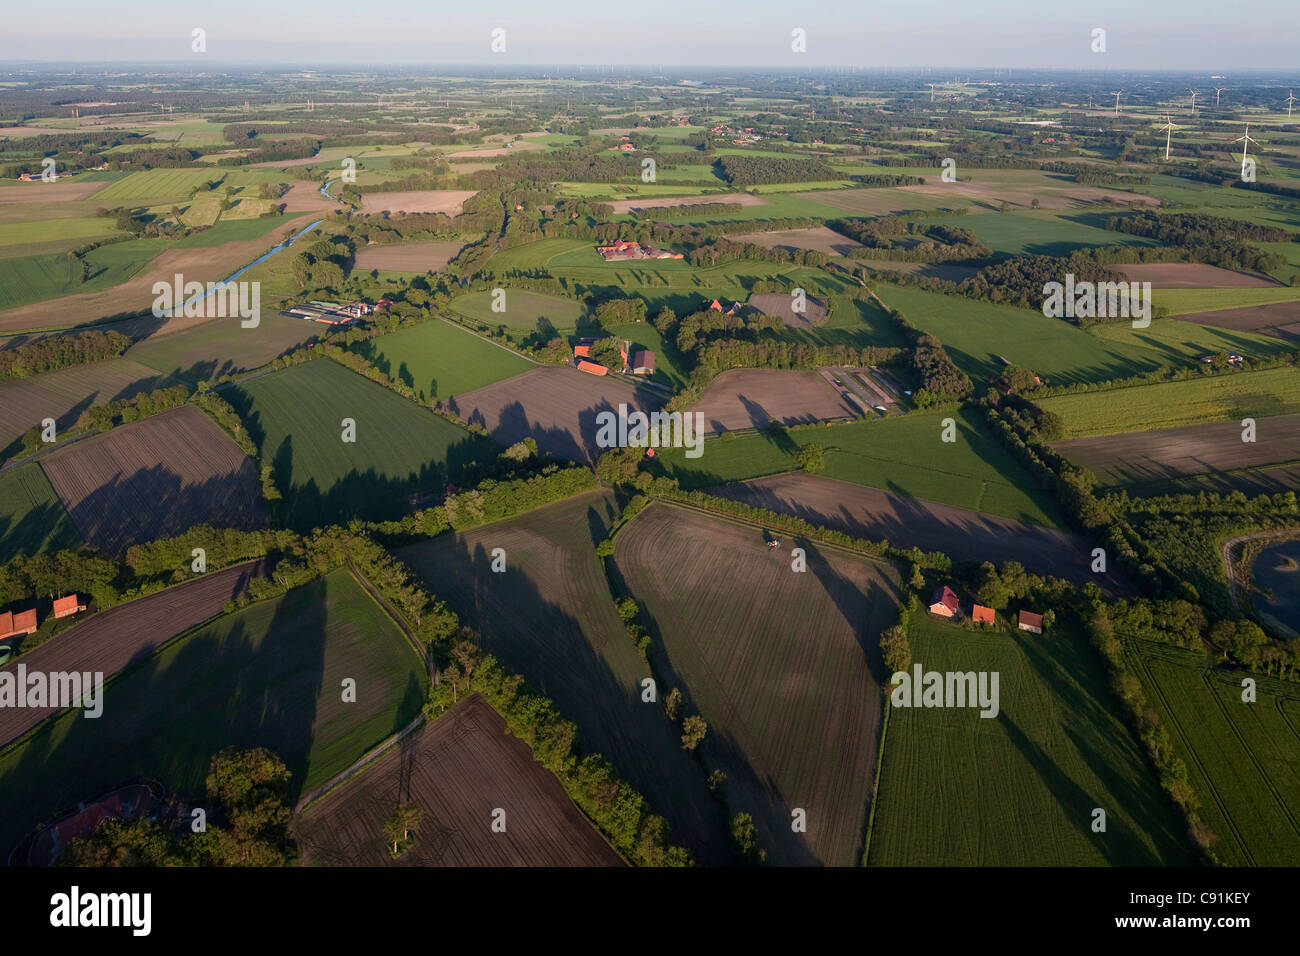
944,597
65,606
592,367
1028,619
982,615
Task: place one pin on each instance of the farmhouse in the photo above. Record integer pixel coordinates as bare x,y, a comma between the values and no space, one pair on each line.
68,606
717,306
982,615
943,602
12,625
1031,622
622,250
643,362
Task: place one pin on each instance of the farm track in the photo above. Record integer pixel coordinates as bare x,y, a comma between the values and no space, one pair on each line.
111,641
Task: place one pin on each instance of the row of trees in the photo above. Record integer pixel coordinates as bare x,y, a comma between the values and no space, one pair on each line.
61,351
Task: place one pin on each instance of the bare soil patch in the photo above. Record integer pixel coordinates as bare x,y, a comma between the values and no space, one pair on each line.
457,770
154,478
408,256
449,201
1142,458
1058,194
785,668
555,405
782,306
1192,275
110,640
650,202
751,397
819,239
1280,319
48,193
912,522
549,617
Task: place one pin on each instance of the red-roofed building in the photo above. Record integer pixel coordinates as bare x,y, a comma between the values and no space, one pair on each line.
582,351
943,602
67,606
643,362
592,367
1031,622
982,615
13,625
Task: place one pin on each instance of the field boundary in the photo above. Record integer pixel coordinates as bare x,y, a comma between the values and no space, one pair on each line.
111,679
875,786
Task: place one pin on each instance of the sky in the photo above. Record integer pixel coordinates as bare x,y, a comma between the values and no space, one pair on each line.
1183,35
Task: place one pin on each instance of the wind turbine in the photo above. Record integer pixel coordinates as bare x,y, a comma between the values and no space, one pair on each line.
1117,94
1195,94
1169,128
1217,91
1245,145
1290,101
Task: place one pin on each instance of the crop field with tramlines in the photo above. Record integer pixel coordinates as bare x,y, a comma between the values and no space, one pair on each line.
296,418
784,667
1240,756
1054,752
32,519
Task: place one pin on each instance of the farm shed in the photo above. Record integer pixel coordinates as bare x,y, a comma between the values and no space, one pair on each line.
1029,621
982,615
67,606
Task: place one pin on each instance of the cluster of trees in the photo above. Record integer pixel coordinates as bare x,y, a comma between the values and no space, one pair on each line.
686,211
877,180
61,351
1020,279
745,170
721,250
247,823
1194,229
1170,768
324,264
920,242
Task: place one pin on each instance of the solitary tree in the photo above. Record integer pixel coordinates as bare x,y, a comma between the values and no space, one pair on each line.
398,827
693,730
673,705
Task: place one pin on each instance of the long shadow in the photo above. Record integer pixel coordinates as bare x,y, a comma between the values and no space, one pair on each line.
235,684
571,659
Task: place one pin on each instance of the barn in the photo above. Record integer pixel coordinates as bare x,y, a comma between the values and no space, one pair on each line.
943,602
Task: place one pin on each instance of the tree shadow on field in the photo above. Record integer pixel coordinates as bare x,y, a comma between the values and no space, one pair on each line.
236,683
746,788
568,651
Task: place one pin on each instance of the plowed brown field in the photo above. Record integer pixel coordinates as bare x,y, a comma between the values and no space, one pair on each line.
458,770
154,478
783,665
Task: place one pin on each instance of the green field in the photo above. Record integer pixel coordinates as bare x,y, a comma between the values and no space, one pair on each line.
440,360
156,185
976,334
1188,301
32,519
295,418
1042,233
28,279
1210,399
1241,757
267,676
974,472
1019,789
52,230
522,310
221,346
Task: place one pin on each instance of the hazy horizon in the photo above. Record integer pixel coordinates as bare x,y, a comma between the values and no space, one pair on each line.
1159,36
